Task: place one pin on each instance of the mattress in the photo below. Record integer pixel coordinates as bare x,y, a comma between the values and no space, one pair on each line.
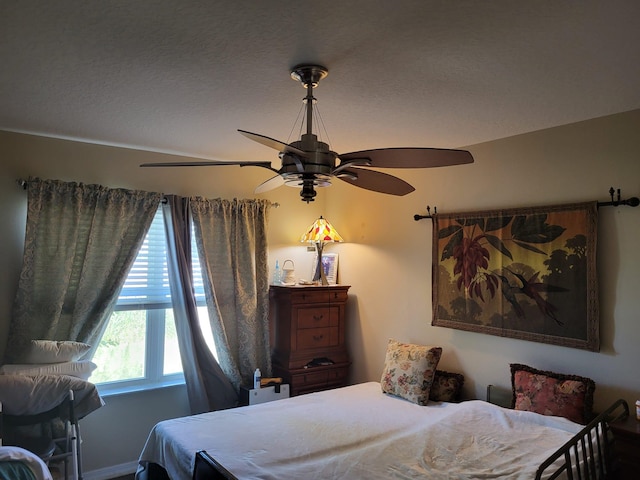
358,432
31,395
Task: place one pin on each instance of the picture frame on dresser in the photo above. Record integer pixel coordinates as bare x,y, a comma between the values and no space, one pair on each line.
330,265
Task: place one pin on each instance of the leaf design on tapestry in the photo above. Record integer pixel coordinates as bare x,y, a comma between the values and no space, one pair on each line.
454,241
534,229
470,222
450,230
531,248
499,245
497,223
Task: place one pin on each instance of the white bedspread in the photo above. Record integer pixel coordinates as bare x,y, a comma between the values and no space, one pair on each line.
358,432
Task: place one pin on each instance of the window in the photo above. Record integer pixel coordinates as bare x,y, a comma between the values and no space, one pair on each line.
139,348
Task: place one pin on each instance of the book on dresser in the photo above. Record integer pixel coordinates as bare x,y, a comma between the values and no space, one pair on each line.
307,325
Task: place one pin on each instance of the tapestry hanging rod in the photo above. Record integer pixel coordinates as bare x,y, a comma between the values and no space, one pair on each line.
23,184
615,202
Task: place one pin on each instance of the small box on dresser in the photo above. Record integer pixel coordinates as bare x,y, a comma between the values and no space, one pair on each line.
308,336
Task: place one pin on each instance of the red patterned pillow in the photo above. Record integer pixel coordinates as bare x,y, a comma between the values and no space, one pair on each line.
549,393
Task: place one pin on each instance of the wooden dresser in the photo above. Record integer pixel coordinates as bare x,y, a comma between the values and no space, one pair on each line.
626,434
308,336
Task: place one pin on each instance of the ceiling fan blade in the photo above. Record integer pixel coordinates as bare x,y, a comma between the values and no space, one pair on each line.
210,164
376,181
273,143
273,182
404,157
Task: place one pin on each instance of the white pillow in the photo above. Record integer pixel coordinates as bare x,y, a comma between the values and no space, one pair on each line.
52,351
82,369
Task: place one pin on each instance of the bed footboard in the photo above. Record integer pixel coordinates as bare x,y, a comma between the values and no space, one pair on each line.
589,455
206,468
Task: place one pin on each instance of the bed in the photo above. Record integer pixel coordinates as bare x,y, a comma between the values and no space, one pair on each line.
359,432
40,413
19,464
22,395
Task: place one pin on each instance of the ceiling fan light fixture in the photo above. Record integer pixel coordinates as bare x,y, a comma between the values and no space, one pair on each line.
300,180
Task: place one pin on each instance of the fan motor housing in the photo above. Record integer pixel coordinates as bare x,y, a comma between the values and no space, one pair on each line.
319,161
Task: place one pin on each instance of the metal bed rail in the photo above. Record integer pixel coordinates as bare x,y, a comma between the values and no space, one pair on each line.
589,455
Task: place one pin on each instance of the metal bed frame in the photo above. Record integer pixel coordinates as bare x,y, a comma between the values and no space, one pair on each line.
589,455
64,449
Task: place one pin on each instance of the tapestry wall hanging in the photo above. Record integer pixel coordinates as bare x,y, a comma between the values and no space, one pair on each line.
527,273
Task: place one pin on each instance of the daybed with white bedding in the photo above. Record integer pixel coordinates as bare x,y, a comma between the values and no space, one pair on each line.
359,432
41,413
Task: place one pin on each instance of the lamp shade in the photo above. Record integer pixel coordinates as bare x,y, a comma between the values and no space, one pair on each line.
321,231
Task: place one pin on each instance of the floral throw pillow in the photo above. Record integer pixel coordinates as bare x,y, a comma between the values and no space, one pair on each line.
549,393
409,370
447,387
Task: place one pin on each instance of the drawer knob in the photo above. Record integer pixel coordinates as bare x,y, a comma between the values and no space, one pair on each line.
317,318
317,338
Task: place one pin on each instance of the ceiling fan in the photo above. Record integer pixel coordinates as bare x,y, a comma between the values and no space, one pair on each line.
310,163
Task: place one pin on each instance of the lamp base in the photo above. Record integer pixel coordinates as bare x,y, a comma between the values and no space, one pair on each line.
320,278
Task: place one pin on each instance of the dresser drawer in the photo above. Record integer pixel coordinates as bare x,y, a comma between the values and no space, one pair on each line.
311,378
337,375
320,295
318,317
317,378
311,296
317,337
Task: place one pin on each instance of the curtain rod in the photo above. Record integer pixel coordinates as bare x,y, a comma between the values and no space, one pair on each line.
617,202
22,183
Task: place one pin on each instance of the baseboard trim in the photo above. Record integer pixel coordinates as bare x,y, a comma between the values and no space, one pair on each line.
111,472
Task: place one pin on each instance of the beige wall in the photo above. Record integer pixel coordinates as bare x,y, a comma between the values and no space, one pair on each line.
388,262
387,255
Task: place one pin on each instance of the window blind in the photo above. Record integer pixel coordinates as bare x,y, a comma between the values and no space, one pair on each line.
148,280
147,284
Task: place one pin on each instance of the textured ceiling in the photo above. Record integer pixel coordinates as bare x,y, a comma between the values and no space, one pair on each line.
182,77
